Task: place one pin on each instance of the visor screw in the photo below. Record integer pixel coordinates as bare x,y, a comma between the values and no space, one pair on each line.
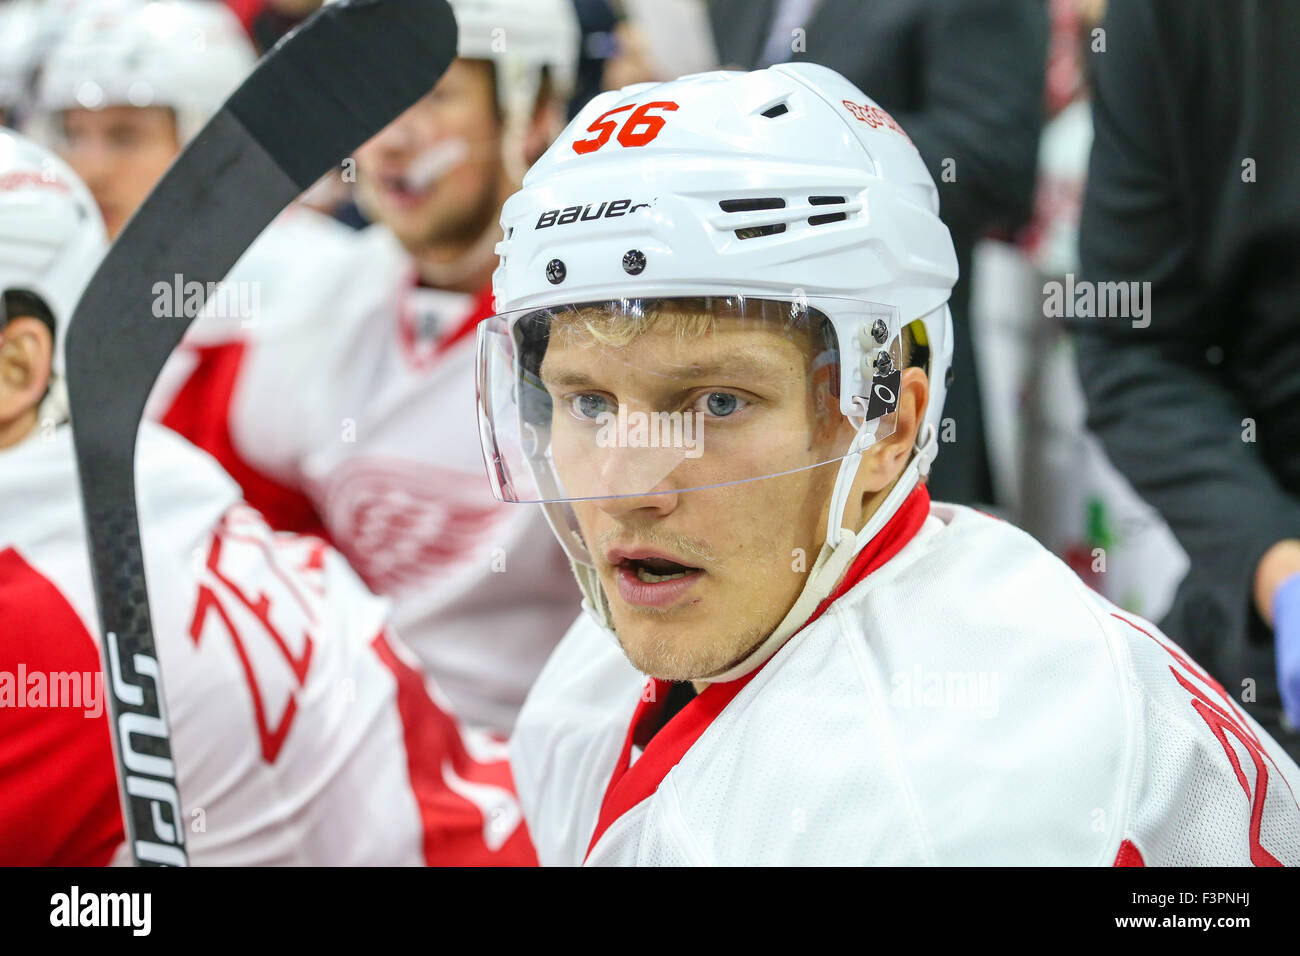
884,364
555,272
634,262
879,331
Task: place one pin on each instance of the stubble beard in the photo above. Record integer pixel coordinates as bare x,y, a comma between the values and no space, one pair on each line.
668,655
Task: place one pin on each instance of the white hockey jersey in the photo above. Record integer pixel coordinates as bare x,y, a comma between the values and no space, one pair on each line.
302,732
358,406
962,698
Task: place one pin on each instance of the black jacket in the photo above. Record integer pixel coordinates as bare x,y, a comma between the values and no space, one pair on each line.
965,79
1194,186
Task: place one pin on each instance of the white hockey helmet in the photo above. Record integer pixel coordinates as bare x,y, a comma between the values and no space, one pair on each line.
20,22
51,240
188,55
523,38
784,192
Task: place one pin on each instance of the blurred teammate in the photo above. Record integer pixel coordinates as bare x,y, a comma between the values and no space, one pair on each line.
361,399
301,732
723,378
127,86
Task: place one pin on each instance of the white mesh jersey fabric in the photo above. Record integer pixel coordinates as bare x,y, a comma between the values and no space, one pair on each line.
1209,766
380,433
970,702
568,737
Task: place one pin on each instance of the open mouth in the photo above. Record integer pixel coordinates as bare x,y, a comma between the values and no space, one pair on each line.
655,582
656,570
401,189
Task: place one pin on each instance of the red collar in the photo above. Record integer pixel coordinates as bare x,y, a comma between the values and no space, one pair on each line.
482,308
628,786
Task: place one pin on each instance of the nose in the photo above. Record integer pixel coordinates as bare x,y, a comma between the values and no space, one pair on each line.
636,478
658,502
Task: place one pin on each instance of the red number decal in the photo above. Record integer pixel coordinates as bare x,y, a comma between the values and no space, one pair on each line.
606,127
637,130
628,135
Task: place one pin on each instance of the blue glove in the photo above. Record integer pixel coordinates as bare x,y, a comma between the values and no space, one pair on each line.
1286,642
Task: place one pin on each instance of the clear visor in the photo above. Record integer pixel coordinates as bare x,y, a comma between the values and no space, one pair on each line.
636,397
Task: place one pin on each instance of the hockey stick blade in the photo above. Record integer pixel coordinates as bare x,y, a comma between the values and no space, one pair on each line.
318,94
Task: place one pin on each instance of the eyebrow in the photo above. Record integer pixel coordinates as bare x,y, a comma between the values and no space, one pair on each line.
746,364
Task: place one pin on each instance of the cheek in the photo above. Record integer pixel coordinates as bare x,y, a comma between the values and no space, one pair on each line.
781,527
589,526
163,156
756,526
146,167
367,153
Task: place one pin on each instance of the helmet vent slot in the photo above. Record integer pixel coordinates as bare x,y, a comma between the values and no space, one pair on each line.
772,112
751,205
825,200
755,205
827,217
753,232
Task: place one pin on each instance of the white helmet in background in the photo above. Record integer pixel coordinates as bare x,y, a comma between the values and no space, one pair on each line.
783,193
524,40
51,241
188,55
29,29
19,52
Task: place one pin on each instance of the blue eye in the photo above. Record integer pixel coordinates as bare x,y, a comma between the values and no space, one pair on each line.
589,406
722,404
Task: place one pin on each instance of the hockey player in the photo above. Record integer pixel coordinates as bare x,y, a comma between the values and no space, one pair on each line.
300,730
721,368
126,87
362,399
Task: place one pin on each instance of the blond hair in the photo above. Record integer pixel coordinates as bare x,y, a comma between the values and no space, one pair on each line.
601,325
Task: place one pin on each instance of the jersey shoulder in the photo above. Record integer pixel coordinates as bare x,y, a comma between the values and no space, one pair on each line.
1155,756
974,688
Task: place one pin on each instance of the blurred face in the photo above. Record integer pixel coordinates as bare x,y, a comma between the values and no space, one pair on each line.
435,174
696,579
120,152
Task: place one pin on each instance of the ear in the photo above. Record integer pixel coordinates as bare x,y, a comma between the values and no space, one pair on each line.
885,460
26,350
